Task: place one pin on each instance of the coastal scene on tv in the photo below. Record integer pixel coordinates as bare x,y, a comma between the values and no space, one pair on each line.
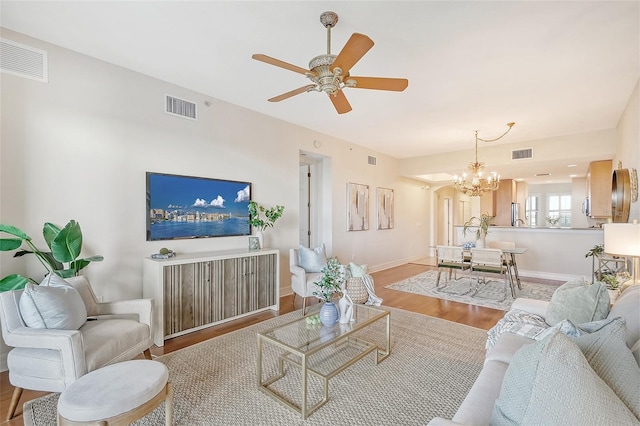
193,207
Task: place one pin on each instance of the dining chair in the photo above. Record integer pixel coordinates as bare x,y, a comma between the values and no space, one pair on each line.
452,259
508,260
490,260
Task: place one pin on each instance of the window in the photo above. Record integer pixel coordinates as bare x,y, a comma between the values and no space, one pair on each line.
532,207
559,206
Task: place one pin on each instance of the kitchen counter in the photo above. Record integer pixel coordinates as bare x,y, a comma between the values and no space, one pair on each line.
552,253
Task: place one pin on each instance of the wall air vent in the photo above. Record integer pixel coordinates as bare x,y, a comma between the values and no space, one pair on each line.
180,107
372,161
521,154
23,61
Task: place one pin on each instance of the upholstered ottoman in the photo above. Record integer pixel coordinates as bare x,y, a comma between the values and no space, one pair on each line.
117,394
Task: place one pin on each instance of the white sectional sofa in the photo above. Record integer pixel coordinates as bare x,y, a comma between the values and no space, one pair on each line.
485,394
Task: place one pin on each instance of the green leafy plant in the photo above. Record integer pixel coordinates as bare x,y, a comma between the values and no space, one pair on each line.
482,223
332,280
553,221
595,251
64,244
270,215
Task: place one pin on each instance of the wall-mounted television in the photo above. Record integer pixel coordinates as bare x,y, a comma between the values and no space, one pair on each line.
196,207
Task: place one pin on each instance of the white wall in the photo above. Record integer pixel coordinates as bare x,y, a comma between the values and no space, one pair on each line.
628,150
78,147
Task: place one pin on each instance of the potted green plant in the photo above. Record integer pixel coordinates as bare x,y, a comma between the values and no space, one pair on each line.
65,246
553,221
331,283
270,217
595,251
481,224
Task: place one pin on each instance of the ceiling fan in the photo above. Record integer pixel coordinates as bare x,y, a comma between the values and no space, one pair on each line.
330,73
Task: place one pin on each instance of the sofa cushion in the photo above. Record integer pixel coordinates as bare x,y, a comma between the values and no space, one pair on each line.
312,260
609,356
53,304
546,378
626,306
579,302
506,346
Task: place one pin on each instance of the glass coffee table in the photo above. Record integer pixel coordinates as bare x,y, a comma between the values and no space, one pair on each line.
319,353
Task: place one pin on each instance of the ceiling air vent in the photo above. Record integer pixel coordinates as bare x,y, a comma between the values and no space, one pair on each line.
180,107
23,61
521,154
372,161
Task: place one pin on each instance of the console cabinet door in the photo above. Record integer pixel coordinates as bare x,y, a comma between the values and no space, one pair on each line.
201,293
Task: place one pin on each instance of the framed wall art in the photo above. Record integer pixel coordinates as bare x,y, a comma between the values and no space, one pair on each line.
357,207
385,208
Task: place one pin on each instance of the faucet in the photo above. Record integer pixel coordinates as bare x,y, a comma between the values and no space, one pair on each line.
517,222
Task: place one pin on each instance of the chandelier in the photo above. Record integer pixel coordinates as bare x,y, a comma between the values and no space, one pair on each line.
477,183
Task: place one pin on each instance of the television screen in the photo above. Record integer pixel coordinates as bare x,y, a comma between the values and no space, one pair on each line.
195,207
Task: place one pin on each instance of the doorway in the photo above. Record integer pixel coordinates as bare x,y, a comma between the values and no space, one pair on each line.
315,200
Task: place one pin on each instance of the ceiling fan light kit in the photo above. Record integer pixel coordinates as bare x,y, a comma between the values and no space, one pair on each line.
477,183
330,73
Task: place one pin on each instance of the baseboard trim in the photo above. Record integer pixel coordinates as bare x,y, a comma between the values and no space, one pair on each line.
548,275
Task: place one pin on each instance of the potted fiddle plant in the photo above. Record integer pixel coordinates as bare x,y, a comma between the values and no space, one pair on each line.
481,224
331,283
65,245
271,215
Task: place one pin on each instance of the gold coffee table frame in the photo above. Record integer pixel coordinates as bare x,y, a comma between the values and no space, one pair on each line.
300,341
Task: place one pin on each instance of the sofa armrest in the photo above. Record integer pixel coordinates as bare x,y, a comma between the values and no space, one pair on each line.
141,307
68,342
439,421
533,306
298,272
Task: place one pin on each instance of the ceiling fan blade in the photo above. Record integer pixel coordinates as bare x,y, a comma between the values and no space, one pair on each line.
292,93
357,45
278,63
379,83
340,102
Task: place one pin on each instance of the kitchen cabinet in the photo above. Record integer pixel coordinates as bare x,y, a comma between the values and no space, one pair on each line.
504,196
487,203
195,291
599,188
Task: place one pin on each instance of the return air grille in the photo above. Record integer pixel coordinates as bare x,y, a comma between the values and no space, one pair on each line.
180,107
372,160
23,61
522,154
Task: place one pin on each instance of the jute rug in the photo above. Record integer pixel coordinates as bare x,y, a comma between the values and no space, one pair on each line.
432,366
489,295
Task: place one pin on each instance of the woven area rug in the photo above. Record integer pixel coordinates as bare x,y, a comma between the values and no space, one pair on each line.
489,295
432,366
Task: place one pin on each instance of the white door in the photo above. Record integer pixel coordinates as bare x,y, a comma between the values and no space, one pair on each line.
305,203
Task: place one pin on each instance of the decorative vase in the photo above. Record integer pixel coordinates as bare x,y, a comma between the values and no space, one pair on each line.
480,243
346,308
328,314
260,236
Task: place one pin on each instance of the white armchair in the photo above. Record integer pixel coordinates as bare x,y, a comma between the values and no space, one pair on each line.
302,282
50,360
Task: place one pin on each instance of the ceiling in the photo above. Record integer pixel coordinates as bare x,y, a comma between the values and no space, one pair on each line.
554,67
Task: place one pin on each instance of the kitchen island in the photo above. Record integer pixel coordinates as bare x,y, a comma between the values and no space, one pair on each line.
553,253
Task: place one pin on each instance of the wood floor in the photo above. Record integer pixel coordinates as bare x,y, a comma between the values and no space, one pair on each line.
474,316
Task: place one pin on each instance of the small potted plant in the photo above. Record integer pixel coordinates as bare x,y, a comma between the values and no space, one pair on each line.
482,224
552,221
270,217
331,283
595,251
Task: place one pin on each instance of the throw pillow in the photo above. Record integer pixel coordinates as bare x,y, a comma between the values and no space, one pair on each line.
579,302
358,271
551,382
312,260
608,354
54,306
